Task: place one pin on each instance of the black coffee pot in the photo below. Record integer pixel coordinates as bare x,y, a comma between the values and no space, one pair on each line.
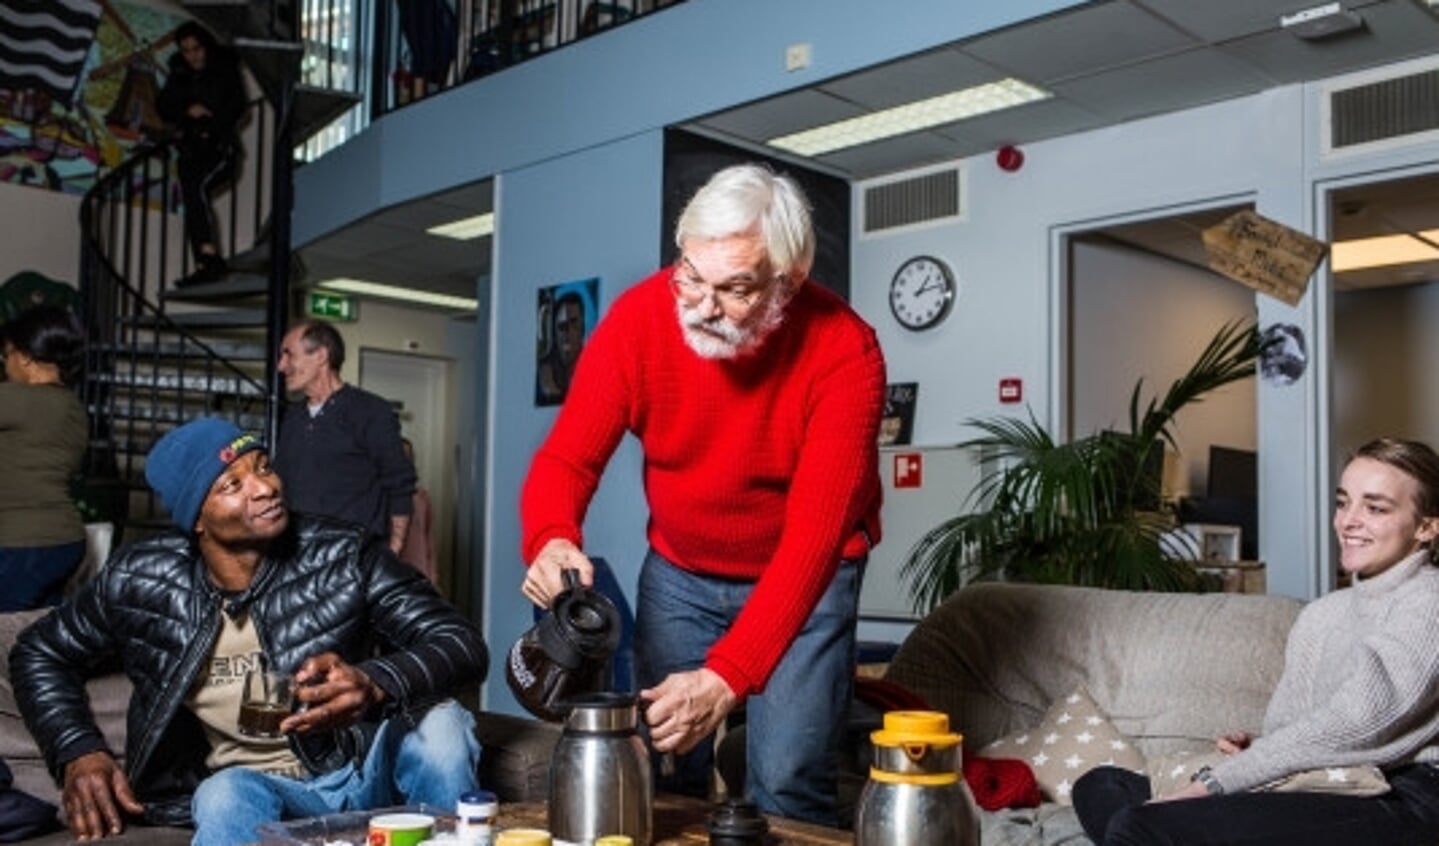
566,654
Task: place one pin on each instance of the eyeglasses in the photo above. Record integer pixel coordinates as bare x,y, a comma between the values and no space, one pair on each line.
736,293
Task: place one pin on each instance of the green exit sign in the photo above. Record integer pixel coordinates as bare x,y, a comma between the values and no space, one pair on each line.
332,306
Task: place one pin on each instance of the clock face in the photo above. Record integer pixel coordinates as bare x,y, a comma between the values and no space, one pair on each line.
921,292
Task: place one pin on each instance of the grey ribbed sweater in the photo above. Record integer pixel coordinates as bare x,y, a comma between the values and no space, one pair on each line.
1360,682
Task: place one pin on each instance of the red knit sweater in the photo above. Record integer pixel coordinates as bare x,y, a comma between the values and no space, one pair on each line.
762,467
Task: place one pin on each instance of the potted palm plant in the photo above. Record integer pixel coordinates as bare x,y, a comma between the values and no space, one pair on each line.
1080,512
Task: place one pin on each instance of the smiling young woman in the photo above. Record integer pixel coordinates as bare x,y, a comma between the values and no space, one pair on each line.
1359,689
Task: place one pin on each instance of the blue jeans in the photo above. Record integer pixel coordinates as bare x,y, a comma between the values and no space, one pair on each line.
35,576
1110,803
793,729
433,764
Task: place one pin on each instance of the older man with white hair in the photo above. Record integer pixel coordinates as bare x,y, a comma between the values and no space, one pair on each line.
756,396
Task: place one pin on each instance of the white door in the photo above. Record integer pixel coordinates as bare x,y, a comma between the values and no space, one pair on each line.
419,386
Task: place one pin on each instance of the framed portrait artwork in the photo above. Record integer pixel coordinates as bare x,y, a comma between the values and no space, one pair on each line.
564,317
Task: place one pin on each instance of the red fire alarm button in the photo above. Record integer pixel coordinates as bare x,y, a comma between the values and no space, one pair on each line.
1011,390
908,470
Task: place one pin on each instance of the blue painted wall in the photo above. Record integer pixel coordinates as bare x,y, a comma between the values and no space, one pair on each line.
549,233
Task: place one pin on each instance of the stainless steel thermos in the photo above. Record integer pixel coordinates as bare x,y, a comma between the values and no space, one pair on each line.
916,795
600,779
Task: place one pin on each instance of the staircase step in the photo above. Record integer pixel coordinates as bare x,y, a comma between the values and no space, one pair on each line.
233,285
225,385
231,351
235,18
275,63
169,414
235,318
316,108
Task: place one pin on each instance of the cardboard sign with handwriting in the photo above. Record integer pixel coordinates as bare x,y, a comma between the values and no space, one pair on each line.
1269,257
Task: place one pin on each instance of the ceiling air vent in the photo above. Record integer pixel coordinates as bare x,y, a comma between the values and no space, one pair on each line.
916,199
1390,108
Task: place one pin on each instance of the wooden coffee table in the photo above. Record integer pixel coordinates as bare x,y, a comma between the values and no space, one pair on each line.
682,821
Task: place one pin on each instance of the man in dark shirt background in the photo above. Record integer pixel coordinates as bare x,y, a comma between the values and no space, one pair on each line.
203,100
340,451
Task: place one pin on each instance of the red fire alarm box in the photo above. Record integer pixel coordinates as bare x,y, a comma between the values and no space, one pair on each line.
1011,390
908,470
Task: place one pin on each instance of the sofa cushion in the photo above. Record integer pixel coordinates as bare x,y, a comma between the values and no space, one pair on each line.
1073,738
109,698
1161,665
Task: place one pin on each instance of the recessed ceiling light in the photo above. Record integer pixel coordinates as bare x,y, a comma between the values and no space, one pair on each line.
467,228
395,292
1383,251
911,117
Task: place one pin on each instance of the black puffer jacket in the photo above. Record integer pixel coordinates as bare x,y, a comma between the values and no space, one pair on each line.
325,587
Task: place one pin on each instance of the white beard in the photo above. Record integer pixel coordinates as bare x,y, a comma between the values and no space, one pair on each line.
717,338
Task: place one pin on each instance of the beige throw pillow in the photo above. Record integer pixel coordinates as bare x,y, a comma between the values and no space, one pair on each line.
1170,773
1073,738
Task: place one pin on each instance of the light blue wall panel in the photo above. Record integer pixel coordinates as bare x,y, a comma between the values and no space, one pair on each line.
551,233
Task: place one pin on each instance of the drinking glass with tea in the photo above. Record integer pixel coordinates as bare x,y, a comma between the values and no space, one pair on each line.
266,700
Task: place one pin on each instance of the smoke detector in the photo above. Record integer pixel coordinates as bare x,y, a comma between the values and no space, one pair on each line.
1320,22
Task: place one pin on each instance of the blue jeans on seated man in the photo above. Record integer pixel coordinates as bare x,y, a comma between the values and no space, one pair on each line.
793,729
433,764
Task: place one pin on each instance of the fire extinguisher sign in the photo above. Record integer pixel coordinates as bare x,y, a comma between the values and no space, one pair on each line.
908,470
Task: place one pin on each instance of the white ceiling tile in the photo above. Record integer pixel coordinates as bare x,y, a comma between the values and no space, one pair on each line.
1083,41
900,153
1392,31
759,122
1030,122
1191,79
925,75
1221,20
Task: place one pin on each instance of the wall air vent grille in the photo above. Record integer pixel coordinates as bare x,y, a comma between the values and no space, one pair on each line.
1389,108
917,199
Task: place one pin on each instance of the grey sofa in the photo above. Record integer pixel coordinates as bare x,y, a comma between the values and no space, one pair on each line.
514,760
1172,671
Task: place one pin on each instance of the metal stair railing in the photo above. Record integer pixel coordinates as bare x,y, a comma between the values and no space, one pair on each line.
144,372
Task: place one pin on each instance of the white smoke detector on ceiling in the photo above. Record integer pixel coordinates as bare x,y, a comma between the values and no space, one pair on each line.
1319,22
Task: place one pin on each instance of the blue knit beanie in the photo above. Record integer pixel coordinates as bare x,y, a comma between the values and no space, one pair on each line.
183,465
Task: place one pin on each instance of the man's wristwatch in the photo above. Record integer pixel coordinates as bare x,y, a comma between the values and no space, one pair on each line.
1205,776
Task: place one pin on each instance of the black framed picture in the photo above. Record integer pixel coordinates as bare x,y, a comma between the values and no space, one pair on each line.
564,317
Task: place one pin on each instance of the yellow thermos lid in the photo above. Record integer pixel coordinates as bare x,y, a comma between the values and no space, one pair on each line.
915,728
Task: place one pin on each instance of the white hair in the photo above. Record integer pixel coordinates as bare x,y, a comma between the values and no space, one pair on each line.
750,197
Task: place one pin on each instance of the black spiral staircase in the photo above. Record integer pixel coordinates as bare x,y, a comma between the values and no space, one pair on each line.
159,355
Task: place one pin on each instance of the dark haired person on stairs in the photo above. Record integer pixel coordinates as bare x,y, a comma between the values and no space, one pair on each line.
203,100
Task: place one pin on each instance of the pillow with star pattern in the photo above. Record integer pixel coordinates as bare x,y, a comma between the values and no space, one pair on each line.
1170,773
1073,738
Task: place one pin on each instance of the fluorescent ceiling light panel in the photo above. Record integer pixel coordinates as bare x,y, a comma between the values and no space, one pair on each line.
466,228
911,117
1382,251
395,292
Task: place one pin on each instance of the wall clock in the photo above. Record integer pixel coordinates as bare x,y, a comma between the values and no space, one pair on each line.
921,293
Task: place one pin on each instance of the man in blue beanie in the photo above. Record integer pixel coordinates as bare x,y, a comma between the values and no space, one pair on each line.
241,584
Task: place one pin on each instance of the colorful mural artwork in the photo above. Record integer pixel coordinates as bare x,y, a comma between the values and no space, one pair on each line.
78,83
